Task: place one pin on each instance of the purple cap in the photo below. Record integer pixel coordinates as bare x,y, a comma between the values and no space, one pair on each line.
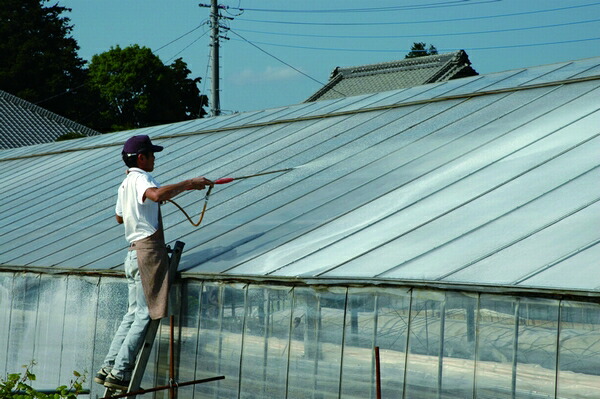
139,144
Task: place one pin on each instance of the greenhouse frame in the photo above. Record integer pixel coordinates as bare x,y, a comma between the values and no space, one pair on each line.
453,226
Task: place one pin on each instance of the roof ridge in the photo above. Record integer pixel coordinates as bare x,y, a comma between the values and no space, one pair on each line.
320,116
47,113
416,61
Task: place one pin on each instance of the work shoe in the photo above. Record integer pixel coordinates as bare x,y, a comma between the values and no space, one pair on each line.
101,375
116,383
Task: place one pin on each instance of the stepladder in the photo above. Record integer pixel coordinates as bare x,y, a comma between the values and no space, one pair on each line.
151,330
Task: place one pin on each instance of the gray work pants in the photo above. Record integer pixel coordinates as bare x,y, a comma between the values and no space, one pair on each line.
130,334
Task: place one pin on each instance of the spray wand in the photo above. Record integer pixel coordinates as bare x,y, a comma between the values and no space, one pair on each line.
223,180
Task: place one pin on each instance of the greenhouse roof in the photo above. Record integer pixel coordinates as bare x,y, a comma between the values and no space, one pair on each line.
486,180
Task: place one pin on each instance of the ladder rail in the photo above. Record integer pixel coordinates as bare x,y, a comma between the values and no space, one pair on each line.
151,330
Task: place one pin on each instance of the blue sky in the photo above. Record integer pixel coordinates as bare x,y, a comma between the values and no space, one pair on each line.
280,52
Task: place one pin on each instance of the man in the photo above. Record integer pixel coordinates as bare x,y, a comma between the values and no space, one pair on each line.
147,261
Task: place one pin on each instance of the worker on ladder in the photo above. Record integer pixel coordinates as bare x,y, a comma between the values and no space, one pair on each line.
147,261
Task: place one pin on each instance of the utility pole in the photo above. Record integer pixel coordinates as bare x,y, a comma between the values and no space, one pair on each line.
214,17
216,28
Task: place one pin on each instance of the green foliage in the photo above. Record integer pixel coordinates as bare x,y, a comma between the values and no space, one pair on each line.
18,386
39,57
420,50
122,89
70,136
139,90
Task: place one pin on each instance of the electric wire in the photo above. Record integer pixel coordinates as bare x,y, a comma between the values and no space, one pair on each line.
180,37
421,35
282,61
186,47
83,84
449,3
379,23
439,49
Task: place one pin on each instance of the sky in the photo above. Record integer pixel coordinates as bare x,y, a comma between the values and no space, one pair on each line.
278,53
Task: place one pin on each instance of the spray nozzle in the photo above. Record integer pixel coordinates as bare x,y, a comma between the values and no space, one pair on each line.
223,180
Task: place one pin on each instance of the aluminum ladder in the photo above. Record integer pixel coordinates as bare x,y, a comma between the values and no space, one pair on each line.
146,349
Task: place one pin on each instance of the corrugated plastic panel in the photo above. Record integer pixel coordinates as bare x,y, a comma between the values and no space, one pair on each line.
489,189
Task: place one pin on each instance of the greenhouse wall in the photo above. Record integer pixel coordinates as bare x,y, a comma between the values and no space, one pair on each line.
284,340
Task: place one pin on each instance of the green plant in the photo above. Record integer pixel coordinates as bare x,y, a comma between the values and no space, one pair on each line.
18,386
70,136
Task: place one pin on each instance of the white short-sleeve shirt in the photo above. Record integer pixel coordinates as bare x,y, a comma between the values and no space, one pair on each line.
140,217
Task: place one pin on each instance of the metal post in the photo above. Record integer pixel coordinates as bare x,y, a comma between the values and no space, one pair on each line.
515,350
441,355
247,309
408,327
172,390
347,299
289,344
375,345
477,317
221,304
557,364
214,14
266,334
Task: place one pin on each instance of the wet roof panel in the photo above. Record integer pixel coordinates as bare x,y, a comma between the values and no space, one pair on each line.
484,180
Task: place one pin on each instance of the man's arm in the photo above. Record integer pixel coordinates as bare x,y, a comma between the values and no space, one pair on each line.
119,219
159,194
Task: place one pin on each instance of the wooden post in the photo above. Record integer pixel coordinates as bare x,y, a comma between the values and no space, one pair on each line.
377,372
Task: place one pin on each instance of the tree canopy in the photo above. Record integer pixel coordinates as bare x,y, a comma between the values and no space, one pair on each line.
420,50
121,88
138,90
39,60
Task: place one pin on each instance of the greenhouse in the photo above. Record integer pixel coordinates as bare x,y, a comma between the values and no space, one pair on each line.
452,226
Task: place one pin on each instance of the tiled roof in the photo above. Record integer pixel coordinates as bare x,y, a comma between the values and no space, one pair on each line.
374,78
23,123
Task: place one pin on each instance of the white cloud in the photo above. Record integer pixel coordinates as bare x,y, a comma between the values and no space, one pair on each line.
270,74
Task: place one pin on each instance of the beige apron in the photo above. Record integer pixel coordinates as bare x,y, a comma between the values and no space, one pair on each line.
153,264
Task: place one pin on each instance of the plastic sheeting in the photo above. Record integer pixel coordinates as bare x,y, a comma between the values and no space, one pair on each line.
273,341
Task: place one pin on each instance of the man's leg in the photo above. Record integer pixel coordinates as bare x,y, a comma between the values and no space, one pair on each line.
124,361
122,331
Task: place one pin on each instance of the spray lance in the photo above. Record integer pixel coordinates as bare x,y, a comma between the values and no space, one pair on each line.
223,180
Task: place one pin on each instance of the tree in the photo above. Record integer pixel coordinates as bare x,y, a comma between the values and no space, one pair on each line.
421,50
39,60
139,90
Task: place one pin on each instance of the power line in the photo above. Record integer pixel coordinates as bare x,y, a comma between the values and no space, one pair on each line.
180,37
186,47
424,21
442,4
421,35
444,49
160,48
283,62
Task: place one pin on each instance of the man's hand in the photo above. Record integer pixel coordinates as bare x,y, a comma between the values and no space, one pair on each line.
160,194
199,183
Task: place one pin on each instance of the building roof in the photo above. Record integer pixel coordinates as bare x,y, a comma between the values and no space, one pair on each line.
23,123
489,181
386,76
